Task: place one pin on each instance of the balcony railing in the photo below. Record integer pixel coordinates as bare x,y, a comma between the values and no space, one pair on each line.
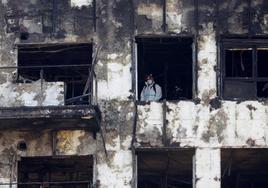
78,110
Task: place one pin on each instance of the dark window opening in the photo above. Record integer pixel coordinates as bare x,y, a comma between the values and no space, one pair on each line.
245,71
49,172
69,63
74,90
244,168
238,62
170,61
262,62
165,169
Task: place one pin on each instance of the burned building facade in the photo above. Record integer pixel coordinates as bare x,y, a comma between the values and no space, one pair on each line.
71,72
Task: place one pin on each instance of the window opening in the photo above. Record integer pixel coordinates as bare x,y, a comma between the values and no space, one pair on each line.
69,63
158,169
245,74
239,62
170,61
49,172
244,168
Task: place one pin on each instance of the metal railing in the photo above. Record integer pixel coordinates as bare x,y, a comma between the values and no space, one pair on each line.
89,94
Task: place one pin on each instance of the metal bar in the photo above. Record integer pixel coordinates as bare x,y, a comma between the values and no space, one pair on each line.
45,66
78,97
89,83
91,73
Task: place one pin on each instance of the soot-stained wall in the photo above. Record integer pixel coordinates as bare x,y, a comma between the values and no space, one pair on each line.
205,123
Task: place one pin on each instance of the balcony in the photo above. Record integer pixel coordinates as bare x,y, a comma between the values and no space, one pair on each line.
51,87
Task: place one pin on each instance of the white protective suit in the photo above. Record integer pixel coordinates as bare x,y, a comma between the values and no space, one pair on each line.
151,92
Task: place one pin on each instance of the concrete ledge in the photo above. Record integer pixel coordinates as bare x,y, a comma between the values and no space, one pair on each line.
50,117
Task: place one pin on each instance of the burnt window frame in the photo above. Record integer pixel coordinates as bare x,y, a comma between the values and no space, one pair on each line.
135,77
89,98
231,43
233,165
182,153
51,159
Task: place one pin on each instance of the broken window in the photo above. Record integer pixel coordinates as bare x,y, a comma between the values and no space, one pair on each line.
165,169
170,61
69,63
53,172
244,168
245,70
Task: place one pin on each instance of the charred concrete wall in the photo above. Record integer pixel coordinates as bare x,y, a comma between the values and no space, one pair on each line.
112,169
41,22
214,123
39,143
213,20
33,94
205,123
191,125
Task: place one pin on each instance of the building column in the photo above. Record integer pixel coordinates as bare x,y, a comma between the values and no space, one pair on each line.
207,168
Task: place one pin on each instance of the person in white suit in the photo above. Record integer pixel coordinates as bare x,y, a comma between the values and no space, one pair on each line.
151,91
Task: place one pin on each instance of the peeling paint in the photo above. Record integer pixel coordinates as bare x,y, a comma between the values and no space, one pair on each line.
31,94
207,160
80,3
150,125
197,126
175,16
206,62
